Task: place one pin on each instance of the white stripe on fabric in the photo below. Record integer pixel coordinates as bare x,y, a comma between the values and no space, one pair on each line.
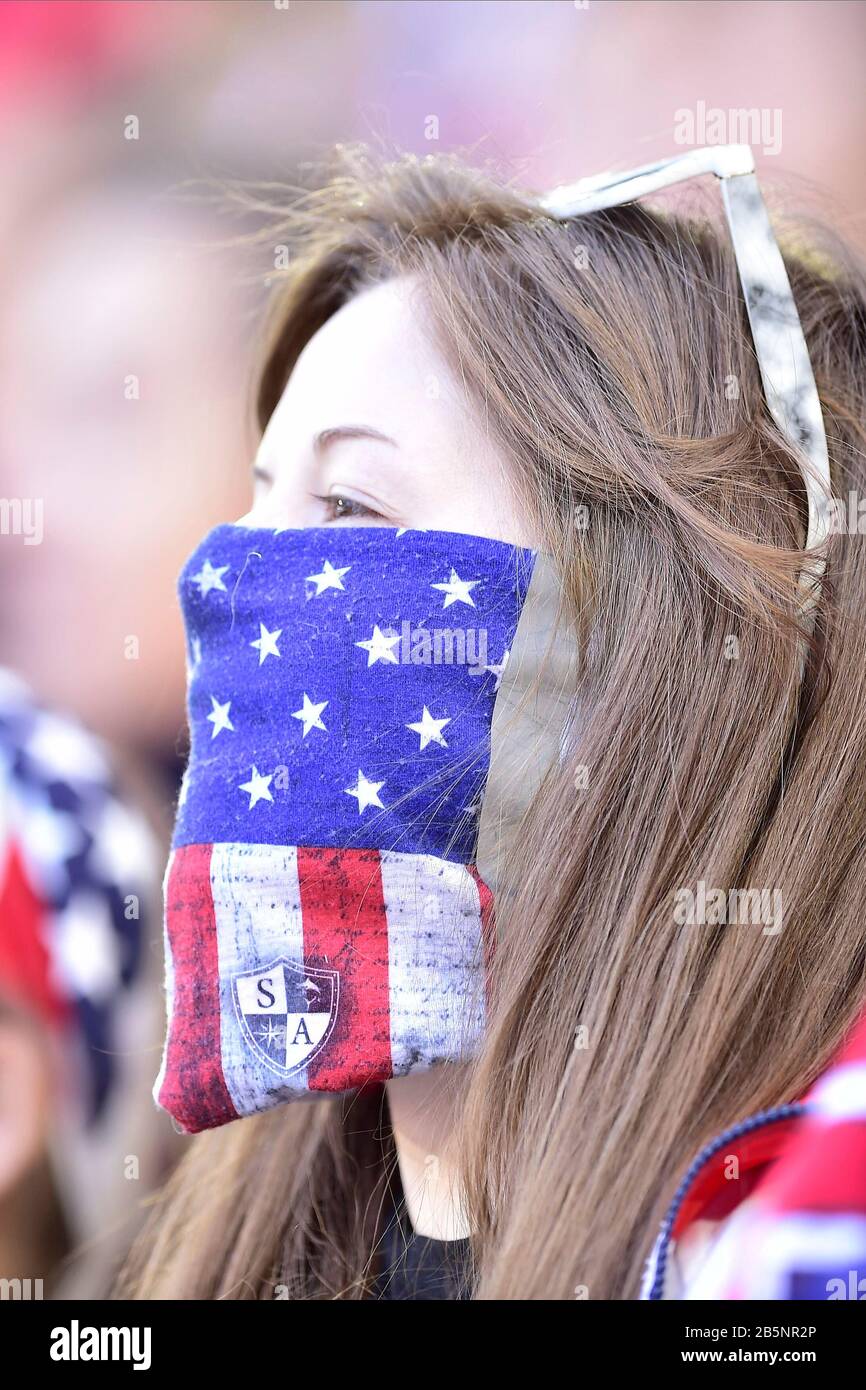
169,984
757,1250
842,1094
802,1241
435,960
257,910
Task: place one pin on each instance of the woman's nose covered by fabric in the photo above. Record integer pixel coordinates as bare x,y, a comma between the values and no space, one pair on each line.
325,924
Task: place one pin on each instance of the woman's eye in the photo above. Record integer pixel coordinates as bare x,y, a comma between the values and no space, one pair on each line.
339,507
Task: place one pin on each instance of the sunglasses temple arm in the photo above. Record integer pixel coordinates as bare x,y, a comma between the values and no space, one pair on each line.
611,190
780,346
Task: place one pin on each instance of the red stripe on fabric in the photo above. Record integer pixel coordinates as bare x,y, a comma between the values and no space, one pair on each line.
346,929
25,964
193,1088
488,927
715,1190
824,1170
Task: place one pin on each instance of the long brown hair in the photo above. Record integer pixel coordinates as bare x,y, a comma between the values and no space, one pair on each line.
612,360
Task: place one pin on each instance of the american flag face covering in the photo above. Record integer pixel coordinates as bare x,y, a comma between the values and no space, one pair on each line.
325,925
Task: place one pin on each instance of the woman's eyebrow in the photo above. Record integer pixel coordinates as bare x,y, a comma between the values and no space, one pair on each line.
339,432
331,436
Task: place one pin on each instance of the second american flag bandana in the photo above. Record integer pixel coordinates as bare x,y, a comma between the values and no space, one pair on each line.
325,925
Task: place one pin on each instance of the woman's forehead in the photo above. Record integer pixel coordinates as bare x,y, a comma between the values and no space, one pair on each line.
375,362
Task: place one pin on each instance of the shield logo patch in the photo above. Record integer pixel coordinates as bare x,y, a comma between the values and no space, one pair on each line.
286,1012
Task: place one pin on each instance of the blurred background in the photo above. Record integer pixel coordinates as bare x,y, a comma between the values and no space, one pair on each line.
128,319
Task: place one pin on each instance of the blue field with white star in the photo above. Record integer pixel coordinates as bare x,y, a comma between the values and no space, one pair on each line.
310,722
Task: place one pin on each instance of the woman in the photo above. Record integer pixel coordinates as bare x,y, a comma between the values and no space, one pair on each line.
445,355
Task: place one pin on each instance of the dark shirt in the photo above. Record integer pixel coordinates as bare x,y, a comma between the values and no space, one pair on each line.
416,1267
